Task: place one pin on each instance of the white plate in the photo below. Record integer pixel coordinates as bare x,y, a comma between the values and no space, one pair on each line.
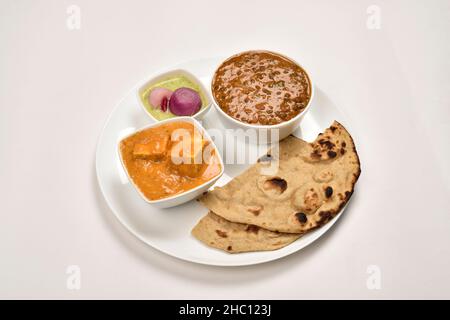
169,230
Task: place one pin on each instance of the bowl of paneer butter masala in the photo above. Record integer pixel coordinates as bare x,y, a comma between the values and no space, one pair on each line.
171,162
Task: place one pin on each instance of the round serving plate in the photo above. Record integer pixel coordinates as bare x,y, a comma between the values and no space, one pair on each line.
169,230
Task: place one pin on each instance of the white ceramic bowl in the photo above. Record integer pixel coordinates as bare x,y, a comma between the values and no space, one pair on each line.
165,75
189,194
284,128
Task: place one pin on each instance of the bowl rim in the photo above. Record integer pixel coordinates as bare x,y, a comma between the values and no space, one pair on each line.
162,122
261,126
143,84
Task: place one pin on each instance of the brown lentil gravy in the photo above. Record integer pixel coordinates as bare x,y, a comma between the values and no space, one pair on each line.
261,87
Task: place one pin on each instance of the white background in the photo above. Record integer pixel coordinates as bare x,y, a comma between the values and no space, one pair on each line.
57,87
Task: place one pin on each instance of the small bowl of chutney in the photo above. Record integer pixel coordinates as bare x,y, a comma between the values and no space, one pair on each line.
172,94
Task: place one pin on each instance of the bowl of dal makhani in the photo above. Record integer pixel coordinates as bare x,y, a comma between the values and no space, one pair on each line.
262,90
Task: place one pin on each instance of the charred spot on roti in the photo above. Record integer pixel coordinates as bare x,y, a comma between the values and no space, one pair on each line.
301,217
327,143
316,154
229,248
221,233
331,154
328,192
252,228
277,184
333,129
325,216
324,148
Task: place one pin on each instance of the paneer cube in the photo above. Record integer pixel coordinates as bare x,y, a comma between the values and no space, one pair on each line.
154,149
192,164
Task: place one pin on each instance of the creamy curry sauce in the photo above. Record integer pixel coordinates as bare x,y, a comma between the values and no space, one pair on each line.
147,159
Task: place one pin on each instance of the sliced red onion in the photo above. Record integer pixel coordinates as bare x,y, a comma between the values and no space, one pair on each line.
158,98
185,102
164,104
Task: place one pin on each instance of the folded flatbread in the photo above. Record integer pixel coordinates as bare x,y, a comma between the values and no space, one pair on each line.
235,237
312,184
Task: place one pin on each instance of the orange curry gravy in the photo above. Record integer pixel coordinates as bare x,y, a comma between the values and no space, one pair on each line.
261,87
147,158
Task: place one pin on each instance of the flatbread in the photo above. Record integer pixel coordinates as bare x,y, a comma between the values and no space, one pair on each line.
233,237
313,183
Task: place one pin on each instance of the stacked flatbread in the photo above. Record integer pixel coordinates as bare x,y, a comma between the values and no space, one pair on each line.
286,194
